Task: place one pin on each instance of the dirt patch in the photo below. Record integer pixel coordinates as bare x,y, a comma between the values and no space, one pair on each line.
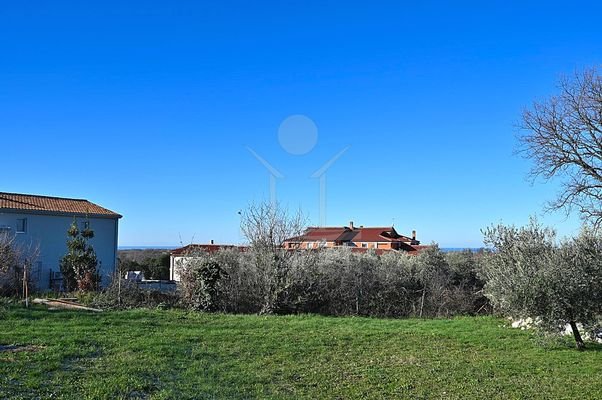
18,349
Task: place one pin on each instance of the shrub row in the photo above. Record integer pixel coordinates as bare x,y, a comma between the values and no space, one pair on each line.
334,282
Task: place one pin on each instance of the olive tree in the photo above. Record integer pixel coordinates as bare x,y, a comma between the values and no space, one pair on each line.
577,281
528,274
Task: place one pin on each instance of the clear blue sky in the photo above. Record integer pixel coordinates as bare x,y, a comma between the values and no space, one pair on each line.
148,108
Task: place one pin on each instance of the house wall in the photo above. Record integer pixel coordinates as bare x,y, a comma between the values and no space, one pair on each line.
372,245
317,244
176,263
49,232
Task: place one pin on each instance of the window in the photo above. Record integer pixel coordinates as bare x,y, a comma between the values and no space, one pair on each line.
21,225
364,245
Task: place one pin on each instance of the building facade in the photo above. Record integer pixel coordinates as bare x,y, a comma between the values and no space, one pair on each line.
41,222
379,240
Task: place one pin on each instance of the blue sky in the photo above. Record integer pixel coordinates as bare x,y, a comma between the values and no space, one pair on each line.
148,108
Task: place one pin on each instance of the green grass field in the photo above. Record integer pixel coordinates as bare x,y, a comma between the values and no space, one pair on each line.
179,355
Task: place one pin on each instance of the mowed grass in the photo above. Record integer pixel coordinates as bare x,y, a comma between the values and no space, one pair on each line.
180,355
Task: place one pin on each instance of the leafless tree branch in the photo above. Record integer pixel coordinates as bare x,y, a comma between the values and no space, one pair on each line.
563,138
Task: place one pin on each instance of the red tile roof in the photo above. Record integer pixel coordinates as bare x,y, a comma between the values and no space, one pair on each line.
52,205
346,234
330,234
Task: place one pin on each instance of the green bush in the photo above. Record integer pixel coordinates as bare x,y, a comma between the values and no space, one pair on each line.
529,274
202,284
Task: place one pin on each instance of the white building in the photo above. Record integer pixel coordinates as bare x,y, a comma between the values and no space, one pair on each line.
43,221
179,258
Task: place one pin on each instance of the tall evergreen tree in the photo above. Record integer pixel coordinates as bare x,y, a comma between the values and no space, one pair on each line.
80,265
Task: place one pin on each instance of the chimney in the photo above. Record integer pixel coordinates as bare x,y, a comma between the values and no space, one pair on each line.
212,241
413,235
351,225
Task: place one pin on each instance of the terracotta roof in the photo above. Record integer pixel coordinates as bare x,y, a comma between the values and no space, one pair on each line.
209,248
346,234
52,205
331,234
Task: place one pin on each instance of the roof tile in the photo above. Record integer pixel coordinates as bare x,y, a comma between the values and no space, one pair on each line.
47,204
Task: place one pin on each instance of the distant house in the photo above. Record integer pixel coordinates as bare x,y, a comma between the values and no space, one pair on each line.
179,257
360,239
379,240
43,221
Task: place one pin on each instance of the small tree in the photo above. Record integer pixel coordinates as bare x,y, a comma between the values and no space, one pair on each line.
16,261
528,274
435,277
267,227
9,264
8,252
577,281
467,288
202,280
79,266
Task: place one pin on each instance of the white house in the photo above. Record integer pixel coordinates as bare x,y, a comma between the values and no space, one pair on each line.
43,221
179,258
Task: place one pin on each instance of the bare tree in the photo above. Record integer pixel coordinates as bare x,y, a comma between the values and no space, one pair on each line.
267,227
16,262
563,137
8,252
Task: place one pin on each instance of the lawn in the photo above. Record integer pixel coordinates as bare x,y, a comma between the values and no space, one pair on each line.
180,355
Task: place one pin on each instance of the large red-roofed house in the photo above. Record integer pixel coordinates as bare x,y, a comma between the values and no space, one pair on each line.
380,239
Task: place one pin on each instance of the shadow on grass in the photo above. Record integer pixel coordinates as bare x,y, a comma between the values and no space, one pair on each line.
592,346
563,343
